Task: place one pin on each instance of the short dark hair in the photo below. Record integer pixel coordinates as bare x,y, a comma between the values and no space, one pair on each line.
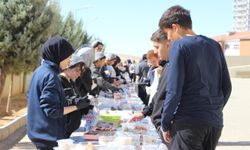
176,15
144,56
97,44
159,36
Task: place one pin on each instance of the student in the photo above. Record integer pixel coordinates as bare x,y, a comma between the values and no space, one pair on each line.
99,63
67,77
83,83
45,117
198,85
153,73
97,46
132,71
108,71
141,72
160,42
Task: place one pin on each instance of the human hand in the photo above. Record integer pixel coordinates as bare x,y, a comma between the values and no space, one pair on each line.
117,96
166,136
82,102
116,82
85,111
136,117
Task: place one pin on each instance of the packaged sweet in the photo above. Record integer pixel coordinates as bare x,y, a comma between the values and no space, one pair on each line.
106,137
90,146
110,116
124,140
90,136
149,147
65,144
91,120
134,127
105,126
149,139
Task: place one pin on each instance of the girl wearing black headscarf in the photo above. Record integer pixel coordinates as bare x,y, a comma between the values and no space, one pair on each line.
45,121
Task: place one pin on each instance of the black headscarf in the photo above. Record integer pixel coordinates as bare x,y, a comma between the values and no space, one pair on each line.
56,49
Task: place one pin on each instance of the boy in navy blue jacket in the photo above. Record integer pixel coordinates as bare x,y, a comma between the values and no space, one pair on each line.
198,85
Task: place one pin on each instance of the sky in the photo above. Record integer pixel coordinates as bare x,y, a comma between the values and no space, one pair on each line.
125,26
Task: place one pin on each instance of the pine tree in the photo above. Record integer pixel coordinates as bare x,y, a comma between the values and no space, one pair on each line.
25,25
86,38
73,31
56,24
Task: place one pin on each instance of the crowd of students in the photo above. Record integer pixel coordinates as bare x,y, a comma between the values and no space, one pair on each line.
183,82
63,86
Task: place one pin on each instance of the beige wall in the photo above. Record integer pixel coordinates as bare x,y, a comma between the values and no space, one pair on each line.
18,83
124,57
239,66
237,60
245,48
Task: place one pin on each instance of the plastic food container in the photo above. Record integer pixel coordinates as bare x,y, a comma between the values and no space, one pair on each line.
65,144
149,147
149,139
105,139
135,127
110,117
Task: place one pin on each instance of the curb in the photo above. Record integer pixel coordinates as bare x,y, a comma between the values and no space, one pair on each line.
11,127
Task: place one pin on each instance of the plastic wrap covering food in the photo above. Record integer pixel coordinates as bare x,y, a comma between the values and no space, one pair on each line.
64,144
106,137
105,126
135,127
150,138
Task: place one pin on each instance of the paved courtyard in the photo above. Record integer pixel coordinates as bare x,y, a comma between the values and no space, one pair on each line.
236,132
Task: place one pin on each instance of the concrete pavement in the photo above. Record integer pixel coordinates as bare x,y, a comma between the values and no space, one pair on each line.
236,131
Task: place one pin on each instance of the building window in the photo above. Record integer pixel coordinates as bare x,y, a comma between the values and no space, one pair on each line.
236,46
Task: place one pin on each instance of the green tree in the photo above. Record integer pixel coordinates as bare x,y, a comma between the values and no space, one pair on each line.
25,25
73,31
56,24
86,38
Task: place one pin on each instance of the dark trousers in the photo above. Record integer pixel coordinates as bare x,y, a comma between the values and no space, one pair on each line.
44,148
132,77
194,137
143,94
45,145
